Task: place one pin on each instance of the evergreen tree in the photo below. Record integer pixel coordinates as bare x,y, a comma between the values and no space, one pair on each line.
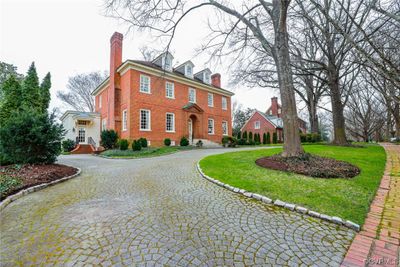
274,138
250,136
268,138
45,92
239,135
264,138
31,89
244,136
258,138
12,98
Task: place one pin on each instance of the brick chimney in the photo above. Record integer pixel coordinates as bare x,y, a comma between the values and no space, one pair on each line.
216,80
114,90
274,106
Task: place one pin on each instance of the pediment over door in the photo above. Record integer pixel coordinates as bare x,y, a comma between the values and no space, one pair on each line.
193,107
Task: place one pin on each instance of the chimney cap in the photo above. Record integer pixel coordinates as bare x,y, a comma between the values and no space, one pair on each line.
116,35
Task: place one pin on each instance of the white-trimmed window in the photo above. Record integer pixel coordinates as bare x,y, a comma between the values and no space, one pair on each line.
168,63
224,127
145,120
103,124
224,103
192,95
189,71
210,126
100,101
144,84
210,100
257,125
170,122
124,120
169,90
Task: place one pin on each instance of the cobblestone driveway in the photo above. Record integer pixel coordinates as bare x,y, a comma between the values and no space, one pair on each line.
159,211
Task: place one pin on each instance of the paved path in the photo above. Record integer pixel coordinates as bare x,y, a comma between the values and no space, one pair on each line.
378,242
159,211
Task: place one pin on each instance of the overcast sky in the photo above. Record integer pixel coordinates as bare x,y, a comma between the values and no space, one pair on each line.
67,37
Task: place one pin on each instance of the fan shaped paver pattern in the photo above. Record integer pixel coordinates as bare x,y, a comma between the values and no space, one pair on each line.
157,212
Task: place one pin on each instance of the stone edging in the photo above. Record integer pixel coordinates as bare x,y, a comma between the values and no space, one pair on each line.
35,188
279,203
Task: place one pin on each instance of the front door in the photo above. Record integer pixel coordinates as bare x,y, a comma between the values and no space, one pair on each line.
190,125
81,135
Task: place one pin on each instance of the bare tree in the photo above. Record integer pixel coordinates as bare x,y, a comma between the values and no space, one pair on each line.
79,88
260,25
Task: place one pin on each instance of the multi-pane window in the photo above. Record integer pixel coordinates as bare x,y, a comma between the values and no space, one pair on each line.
207,78
189,71
144,84
145,120
192,95
210,100
224,103
124,120
210,126
168,63
104,124
170,122
225,128
257,125
100,101
169,90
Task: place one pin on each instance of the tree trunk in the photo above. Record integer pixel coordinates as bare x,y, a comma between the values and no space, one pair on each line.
388,125
339,131
313,117
291,146
396,116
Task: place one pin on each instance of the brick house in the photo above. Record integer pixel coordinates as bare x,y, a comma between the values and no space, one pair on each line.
269,121
152,99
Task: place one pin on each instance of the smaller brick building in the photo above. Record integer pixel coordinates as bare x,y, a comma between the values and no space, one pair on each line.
269,121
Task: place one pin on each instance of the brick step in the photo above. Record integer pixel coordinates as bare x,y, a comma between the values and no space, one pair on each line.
83,149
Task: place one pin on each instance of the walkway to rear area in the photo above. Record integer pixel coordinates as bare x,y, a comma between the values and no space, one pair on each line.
378,244
157,212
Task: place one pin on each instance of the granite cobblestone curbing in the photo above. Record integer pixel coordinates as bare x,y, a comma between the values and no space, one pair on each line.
36,188
282,204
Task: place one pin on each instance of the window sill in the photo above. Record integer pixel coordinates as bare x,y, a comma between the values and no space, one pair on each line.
169,97
145,130
170,131
211,133
149,93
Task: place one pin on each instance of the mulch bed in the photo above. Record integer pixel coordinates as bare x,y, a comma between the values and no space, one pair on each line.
32,174
310,165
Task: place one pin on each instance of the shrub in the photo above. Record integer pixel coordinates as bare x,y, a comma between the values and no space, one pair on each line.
241,142
143,142
303,138
199,143
268,138
250,136
229,141
257,138
239,135
123,144
136,145
30,137
68,145
184,141
167,141
274,138
109,139
244,136
264,141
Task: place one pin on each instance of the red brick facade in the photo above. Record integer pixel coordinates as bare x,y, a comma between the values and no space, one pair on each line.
122,92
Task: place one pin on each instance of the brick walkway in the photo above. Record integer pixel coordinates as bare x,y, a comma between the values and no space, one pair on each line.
378,244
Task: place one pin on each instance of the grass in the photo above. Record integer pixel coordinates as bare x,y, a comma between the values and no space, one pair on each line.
346,198
144,153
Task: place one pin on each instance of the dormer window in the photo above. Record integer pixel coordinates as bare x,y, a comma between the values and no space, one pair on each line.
207,78
189,71
168,63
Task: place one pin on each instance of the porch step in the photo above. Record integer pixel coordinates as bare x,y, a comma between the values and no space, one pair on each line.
83,149
207,143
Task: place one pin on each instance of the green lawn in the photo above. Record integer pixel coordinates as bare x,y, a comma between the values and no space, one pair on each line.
144,153
346,198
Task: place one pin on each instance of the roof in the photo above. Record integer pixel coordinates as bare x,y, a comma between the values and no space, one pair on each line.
79,114
158,68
